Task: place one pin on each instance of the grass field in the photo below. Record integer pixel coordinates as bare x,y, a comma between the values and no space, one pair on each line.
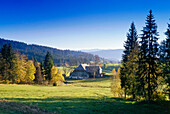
78,96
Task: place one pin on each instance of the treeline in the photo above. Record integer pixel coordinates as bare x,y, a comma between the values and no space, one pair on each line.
16,68
60,57
145,69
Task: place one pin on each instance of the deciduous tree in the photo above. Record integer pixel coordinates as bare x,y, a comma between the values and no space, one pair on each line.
38,75
29,77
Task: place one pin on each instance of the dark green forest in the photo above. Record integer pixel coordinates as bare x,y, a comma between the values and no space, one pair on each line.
60,57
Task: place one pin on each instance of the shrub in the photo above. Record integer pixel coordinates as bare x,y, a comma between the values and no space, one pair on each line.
54,84
160,96
6,82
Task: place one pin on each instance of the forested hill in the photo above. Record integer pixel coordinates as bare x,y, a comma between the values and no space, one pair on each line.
59,56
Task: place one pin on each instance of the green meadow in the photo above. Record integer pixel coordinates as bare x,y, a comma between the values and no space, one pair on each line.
78,96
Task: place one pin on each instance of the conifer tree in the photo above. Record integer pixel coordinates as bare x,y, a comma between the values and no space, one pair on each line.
2,62
42,70
5,66
132,65
8,66
129,46
10,60
148,57
48,64
166,60
4,51
162,52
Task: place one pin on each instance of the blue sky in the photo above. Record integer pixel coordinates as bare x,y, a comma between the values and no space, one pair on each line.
78,24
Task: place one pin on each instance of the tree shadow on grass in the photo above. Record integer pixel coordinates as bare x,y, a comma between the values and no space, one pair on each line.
69,104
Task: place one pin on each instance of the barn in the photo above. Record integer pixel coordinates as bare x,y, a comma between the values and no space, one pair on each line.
84,71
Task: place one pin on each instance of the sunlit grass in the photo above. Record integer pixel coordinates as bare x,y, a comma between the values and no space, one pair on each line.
95,83
79,96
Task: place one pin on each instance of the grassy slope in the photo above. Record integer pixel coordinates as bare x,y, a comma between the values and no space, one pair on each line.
80,96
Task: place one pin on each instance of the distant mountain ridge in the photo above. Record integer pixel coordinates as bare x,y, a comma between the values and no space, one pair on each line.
91,50
110,54
60,57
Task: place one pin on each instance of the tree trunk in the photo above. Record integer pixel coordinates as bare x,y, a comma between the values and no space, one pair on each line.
133,92
94,75
125,93
149,86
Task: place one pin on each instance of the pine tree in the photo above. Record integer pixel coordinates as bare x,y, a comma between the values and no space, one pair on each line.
11,58
4,51
8,66
2,62
129,46
162,51
166,67
148,57
5,66
132,65
48,64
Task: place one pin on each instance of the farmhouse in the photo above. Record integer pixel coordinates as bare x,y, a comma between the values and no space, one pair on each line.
84,71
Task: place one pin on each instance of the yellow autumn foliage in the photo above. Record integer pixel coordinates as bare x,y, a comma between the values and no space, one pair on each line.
20,68
30,72
24,70
116,84
114,71
56,76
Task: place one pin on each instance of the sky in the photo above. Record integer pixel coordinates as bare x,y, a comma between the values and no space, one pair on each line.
78,24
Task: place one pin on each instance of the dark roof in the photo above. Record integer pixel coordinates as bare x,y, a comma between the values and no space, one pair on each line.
82,67
87,68
92,68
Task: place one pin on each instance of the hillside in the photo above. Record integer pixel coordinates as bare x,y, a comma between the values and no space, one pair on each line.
111,54
59,56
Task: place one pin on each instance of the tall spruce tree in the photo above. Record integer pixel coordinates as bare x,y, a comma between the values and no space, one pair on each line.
129,46
162,52
148,57
2,63
48,64
167,33
5,66
166,68
132,65
11,58
8,67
